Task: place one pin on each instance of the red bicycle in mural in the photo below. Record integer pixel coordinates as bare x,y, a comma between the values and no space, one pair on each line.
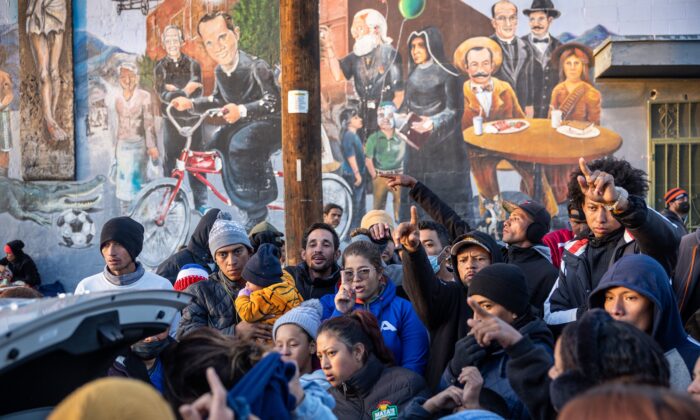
164,206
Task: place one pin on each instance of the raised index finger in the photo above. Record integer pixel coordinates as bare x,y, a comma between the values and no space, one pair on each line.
478,309
414,216
584,167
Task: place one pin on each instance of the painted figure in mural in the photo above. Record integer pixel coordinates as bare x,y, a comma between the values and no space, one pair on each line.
373,65
46,25
6,97
542,43
245,88
487,97
434,92
518,58
354,167
384,153
177,75
578,100
135,139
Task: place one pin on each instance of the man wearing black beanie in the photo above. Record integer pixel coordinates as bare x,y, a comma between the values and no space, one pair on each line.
497,291
121,241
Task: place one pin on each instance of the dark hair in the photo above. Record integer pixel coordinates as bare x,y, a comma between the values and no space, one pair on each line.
438,228
359,327
625,402
20,293
330,206
346,115
466,55
602,349
185,363
633,180
211,16
364,249
493,7
323,226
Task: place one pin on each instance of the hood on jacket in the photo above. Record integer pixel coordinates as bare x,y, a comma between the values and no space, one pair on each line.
482,238
199,241
647,277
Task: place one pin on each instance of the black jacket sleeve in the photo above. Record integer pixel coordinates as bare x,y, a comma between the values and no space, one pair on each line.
655,235
439,210
26,272
432,299
528,375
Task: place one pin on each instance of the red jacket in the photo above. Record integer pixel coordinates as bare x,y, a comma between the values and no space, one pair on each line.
555,241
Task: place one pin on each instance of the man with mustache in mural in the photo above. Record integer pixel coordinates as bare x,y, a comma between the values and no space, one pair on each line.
487,97
245,89
177,75
373,65
542,43
517,55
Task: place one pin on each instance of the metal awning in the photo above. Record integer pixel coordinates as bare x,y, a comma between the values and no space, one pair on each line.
654,56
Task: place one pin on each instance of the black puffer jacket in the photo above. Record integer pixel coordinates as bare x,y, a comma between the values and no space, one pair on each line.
536,263
212,305
197,251
441,306
376,387
316,288
23,267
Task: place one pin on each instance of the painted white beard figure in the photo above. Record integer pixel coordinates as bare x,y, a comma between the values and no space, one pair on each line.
365,45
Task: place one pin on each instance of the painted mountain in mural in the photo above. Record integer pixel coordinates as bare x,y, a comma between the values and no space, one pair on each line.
592,37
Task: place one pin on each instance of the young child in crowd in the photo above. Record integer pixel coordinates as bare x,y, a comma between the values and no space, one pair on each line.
267,294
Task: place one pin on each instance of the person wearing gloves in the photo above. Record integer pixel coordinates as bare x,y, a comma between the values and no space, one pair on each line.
266,233
294,335
265,296
213,302
636,289
121,242
364,286
498,290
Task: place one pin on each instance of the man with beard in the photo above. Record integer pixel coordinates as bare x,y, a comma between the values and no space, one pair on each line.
177,75
677,207
517,56
373,65
245,89
542,43
319,273
433,93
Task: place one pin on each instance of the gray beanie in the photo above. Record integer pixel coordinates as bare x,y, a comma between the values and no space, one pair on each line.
226,232
306,316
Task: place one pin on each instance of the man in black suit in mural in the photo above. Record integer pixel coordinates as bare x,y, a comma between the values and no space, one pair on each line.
542,43
245,89
518,57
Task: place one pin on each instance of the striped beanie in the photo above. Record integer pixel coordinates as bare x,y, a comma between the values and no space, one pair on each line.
674,194
189,274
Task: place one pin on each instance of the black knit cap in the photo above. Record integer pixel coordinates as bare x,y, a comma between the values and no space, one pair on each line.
263,268
126,231
505,285
16,246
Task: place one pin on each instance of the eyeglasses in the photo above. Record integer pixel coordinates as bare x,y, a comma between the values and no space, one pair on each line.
503,19
361,274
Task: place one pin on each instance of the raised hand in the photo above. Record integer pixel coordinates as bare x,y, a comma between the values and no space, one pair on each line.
406,234
597,186
211,405
486,328
345,298
401,180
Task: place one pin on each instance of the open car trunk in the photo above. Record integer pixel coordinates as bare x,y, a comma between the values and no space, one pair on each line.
50,347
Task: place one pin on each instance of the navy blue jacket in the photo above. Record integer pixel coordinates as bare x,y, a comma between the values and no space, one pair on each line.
647,277
404,334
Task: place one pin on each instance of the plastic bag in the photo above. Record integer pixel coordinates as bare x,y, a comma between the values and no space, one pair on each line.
154,170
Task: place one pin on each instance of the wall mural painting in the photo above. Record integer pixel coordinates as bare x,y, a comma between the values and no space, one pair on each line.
482,101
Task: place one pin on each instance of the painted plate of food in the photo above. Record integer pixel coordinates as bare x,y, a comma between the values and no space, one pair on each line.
505,126
579,129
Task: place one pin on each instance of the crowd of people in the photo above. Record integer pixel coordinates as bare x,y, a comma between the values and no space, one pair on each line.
424,319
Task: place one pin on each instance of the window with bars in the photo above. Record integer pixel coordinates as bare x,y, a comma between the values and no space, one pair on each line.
674,150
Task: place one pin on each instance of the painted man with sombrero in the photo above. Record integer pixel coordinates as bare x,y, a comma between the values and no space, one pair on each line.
488,97
544,70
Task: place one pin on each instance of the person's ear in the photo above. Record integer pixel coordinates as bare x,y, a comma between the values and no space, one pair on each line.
237,33
303,254
358,352
312,348
336,255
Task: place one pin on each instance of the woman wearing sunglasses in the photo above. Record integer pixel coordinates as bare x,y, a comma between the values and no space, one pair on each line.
364,286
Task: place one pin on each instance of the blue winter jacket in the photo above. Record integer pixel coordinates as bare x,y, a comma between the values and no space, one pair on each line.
404,334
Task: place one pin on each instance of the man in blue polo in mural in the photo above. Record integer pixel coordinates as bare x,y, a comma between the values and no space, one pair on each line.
245,89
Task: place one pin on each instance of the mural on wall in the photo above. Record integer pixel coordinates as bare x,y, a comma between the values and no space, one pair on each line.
45,36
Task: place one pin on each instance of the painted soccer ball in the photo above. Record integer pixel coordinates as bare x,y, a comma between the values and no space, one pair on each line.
76,228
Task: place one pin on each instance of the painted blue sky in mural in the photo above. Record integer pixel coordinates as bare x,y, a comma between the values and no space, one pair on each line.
126,31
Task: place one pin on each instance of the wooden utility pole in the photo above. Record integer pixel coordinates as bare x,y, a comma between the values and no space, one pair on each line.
301,120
